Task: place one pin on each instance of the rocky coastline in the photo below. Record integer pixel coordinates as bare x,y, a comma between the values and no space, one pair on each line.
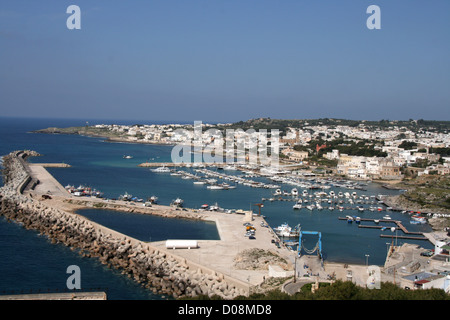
438,219
154,268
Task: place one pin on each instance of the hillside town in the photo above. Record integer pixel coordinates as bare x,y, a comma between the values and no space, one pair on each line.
396,151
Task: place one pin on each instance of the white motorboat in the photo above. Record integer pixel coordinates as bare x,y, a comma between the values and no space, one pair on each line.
177,202
294,192
286,231
161,169
126,197
215,187
418,220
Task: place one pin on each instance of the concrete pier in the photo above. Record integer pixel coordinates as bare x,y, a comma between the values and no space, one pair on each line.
46,183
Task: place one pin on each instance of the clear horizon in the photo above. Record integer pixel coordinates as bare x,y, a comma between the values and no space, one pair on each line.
230,61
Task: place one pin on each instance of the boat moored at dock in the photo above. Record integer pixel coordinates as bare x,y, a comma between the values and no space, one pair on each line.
285,231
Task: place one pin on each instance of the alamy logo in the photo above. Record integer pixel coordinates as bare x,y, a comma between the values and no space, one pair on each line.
374,21
73,281
74,20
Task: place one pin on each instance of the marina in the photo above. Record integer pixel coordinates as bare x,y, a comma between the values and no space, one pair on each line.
275,204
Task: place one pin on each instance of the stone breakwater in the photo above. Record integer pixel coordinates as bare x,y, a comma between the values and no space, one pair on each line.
154,268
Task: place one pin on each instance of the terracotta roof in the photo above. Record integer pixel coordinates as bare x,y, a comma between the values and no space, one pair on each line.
421,281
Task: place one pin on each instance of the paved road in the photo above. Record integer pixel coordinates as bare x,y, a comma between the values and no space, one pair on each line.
294,287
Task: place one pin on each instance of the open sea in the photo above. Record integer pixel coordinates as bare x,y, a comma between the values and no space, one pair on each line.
29,262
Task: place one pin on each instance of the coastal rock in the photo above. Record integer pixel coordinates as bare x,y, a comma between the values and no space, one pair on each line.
258,259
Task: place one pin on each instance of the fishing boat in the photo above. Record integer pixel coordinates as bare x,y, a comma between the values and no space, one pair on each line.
284,230
177,202
125,197
153,199
214,207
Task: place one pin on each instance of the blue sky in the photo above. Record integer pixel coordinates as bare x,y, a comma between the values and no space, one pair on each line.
223,60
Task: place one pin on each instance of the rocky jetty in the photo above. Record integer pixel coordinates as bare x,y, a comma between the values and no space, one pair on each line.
154,268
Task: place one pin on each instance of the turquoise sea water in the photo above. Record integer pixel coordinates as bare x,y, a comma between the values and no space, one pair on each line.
100,165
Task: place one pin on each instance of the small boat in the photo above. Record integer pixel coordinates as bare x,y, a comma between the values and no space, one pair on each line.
349,219
415,219
127,157
215,187
126,197
161,169
153,199
214,207
297,206
358,220
177,202
387,217
294,192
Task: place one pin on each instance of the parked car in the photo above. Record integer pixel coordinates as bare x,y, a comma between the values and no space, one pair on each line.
426,254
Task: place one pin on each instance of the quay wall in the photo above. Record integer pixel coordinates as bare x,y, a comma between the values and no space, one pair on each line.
154,268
